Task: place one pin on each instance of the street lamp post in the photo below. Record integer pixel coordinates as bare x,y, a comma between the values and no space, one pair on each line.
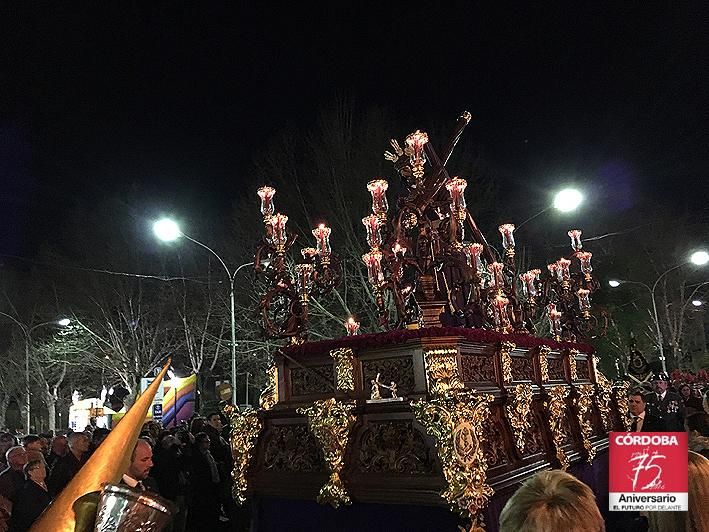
168,230
699,258
27,333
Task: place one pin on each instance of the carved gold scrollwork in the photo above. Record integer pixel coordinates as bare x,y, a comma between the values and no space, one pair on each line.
245,428
331,422
344,368
603,397
442,372
455,419
506,360
543,365
571,354
556,407
518,409
584,403
620,394
269,396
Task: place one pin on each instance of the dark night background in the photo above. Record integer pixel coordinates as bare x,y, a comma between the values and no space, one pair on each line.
176,100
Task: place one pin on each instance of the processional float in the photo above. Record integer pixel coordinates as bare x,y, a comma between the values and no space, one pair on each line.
459,397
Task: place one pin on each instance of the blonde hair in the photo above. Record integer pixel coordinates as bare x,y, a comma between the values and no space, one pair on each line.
697,518
552,501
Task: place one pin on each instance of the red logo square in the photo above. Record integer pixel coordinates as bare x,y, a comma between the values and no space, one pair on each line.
648,470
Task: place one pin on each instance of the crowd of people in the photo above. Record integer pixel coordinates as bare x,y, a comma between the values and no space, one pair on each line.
189,465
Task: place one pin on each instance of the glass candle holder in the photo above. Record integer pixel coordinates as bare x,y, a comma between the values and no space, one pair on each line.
377,188
373,261
502,321
473,254
352,326
575,235
415,143
322,240
456,188
584,300
309,253
267,207
398,250
304,280
374,234
529,288
562,269
496,270
508,239
554,317
585,260
279,237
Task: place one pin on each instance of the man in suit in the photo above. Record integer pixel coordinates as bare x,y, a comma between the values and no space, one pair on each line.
642,421
666,404
141,462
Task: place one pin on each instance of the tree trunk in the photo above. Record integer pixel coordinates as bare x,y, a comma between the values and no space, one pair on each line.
52,412
4,402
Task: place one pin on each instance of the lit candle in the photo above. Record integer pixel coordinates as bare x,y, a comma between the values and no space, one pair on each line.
322,238
528,279
377,188
308,253
279,236
585,260
374,234
414,149
575,235
496,270
473,252
456,189
397,249
266,194
373,261
562,269
501,319
508,239
352,326
554,320
584,301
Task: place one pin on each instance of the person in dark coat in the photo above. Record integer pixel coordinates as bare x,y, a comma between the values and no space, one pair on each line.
57,450
665,404
171,473
205,505
68,466
692,403
11,481
32,499
642,421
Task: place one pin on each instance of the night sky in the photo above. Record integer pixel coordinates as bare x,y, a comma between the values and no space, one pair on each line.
179,98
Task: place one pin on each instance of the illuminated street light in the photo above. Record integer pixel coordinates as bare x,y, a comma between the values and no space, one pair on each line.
697,302
64,322
167,230
614,283
567,200
699,258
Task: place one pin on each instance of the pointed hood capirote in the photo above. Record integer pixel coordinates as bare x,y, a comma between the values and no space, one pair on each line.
106,465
